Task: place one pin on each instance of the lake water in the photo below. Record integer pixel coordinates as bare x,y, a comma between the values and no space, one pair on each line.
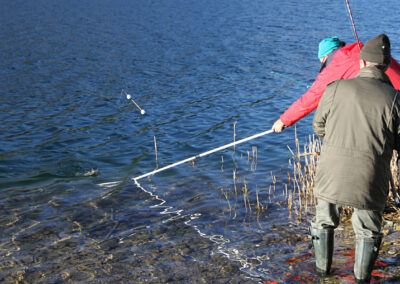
202,70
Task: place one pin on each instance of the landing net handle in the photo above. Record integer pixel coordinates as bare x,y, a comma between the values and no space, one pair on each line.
204,154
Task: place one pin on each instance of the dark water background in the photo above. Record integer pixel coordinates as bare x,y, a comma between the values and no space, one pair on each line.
197,68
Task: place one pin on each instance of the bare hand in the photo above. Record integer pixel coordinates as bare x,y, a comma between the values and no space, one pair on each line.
278,126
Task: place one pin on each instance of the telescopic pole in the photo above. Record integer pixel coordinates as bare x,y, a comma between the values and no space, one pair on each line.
204,154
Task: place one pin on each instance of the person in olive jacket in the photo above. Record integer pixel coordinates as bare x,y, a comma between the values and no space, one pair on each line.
359,122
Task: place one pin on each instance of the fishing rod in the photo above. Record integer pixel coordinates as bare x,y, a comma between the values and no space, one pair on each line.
354,26
290,78
204,154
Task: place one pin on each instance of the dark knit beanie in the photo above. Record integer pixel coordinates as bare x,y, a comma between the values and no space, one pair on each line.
377,50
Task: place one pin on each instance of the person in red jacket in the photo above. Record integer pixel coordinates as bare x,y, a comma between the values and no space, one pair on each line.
338,62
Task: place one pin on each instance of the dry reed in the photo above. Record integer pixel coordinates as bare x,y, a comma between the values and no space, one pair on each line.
301,181
297,193
155,149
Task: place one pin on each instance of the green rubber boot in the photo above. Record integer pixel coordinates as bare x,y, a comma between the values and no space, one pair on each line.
366,253
322,240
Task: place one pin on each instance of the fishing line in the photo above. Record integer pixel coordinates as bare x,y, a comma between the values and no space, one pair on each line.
352,21
129,97
290,78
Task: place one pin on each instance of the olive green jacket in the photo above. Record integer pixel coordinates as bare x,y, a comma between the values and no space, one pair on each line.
359,122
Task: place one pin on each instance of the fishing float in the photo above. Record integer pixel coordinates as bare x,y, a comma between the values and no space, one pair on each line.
129,97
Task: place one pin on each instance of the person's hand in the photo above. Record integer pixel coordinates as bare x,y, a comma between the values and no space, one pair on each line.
278,126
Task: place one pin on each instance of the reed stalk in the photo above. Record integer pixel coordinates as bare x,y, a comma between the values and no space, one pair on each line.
155,149
259,205
234,135
255,158
234,183
245,193
227,199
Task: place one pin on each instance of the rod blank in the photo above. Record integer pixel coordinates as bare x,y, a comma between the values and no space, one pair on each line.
352,22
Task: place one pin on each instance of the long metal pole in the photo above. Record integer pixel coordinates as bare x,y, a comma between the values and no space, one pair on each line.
204,154
352,21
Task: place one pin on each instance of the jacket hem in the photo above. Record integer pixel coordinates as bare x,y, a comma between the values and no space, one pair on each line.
346,203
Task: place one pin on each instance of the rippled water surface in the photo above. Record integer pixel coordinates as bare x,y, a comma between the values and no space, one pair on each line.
202,70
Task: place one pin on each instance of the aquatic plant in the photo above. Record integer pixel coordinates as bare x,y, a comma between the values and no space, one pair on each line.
295,192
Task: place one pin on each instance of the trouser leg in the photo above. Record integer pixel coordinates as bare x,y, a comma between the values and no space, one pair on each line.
367,223
327,215
322,233
367,226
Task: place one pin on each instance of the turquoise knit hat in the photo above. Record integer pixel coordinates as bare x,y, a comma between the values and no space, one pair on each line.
327,45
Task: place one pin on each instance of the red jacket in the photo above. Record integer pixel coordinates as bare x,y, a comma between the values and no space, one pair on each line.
344,65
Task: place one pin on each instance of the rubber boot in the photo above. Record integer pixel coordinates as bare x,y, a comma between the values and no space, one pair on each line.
366,253
322,240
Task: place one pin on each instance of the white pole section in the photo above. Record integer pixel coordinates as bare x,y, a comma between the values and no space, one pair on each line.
204,154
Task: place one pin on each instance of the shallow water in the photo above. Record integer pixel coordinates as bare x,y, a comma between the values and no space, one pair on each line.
71,142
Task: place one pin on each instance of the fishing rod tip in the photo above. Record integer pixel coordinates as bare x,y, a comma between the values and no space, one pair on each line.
143,112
